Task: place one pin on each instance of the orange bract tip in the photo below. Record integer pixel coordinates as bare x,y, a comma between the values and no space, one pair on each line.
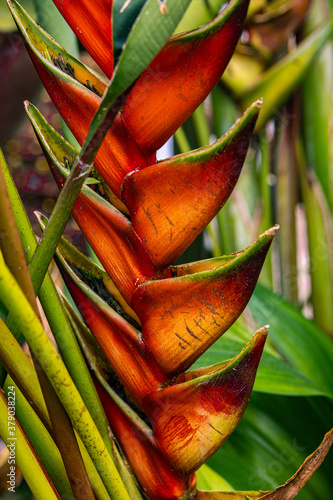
192,420
180,78
181,317
171,202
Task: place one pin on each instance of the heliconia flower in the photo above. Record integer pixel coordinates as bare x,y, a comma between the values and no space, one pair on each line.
182,316
180,78
133,139
191,420
170,203
128,256
92,24
109,232
157,478
119,340
76,91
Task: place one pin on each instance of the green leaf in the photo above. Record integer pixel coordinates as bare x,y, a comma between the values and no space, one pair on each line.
272,440
297,339
124,15
209,479
274,375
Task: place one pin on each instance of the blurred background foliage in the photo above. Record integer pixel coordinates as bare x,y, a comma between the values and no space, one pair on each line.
285,55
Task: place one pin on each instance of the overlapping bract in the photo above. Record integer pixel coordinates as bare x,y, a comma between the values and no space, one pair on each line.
153,211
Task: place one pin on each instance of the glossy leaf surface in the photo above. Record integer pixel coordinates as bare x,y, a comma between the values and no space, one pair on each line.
299,340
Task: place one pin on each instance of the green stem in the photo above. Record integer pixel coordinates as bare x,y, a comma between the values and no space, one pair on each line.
41,440
57,318
63,431
11,245
202,132
16,362
24,375
40,344
182,141
266,275
25,458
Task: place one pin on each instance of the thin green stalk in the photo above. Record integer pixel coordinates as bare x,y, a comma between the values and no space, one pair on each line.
24,456
11,355
286,203
201,127
182,141
24,375
40,344
57,319
11,246
40,439
63,431
202,133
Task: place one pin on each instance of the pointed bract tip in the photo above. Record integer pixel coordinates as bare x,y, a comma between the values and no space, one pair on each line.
271,231
263,331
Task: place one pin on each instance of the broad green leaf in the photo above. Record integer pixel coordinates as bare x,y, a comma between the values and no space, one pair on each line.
298,340
209,479
124,14
274,375
273,439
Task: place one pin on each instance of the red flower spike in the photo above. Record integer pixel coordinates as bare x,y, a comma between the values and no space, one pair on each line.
118,154
193,419
91,23
107,230
182,317
170,203
180,78
157,478
121,343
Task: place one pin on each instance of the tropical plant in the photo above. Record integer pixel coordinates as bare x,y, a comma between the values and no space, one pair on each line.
114,410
